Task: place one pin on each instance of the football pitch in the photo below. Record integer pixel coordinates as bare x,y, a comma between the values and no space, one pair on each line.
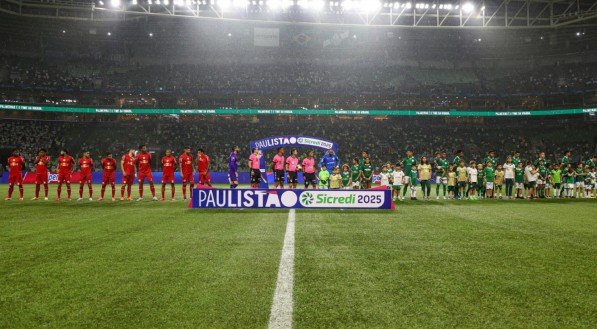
480,264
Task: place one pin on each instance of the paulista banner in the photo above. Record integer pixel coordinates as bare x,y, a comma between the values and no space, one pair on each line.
212,198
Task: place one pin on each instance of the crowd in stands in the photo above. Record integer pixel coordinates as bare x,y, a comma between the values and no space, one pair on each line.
386,140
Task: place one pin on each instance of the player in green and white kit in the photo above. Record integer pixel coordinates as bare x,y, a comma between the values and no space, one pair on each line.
397,181
408,164
519,180
568,177
366,174
579,181
441,173
456,162
542,169
489,179
564,163
516,158
413,174
355,173
345,177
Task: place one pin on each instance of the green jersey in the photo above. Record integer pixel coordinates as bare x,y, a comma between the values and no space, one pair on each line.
516,160
519,175
324,176
565,161
480,176
493,161
569,177
345,177
590,163
557,175
489,174
543,171
538,160
456,160
367,170
355,171
441,168
408,163
413,177
580,174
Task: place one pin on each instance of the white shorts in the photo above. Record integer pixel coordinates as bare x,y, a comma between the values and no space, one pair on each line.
519,185
355,185
547,185
540,182
489,185
588,187
569,185
406,180
441,180
580,184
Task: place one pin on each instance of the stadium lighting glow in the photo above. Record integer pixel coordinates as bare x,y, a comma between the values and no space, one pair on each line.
240,3
149,2
369,5
101,3
468,7
115,3
166,2
483,8
109,33
409,5
150,35
224,4
317,5
134,2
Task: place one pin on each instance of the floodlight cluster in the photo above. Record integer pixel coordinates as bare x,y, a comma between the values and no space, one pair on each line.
313,5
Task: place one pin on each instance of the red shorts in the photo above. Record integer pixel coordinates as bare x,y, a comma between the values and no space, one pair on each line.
204,178
168,178
41,178
141,176
15,179
128,179
188,178
85,177
63,178
109,178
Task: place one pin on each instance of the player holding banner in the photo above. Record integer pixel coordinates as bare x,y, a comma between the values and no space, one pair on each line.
127,163
85,165
41,173
278,168
309,171
15,175
255,168
109,175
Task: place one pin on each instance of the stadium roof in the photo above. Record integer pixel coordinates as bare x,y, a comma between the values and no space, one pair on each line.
448,14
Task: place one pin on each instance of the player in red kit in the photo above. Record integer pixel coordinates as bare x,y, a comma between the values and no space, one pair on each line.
109,176
15,174
203,168
187,172
86,168
143,161
127,163
41,173
168,167
65,169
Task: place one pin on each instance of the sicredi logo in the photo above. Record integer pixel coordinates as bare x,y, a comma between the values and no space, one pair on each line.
342,199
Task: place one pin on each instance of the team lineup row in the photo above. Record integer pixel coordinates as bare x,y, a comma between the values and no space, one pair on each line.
530,179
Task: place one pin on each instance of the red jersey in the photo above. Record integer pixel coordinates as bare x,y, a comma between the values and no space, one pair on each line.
109,165
128,165
186,163
15,164
65,164
86,165
143,161
203,163
168,165
41,164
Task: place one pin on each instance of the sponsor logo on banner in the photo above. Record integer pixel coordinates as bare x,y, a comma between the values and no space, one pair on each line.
280,141
266,37
286,199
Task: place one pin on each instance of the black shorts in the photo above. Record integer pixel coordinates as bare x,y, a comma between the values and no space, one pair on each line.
292,177
279,176
255,176
310,178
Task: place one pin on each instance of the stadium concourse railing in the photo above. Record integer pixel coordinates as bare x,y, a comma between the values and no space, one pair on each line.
249,111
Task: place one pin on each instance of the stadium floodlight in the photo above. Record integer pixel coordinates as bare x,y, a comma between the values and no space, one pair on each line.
370,5
468,7
166,2
134,2
408,5
149,2
150,35
317,5
347,4
240,3
224,4
115,3
101,3
109,33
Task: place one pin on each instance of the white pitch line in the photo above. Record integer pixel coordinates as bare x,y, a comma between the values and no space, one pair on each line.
282,305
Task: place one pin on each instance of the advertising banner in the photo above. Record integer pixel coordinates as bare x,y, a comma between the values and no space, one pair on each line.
266,37
295,140
206,198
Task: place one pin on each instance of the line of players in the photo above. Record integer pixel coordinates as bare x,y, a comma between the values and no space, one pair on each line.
133,165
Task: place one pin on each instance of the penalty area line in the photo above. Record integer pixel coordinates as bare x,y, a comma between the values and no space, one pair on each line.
282,305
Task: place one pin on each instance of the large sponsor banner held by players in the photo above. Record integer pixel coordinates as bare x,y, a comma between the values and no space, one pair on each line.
204,198
293,140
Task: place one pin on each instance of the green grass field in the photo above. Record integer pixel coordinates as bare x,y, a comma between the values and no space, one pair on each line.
506,264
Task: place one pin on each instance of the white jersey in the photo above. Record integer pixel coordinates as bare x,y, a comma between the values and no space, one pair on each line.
509,170
472,174
527,172
533,177
384,179
397,177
